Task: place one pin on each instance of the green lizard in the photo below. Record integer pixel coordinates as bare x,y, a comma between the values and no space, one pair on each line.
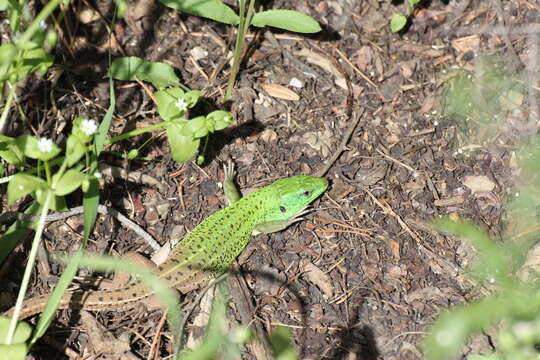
211,247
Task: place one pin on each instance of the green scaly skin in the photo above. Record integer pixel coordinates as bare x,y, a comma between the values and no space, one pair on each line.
210,248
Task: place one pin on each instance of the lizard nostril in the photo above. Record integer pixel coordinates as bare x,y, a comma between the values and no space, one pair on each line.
282,209
307,193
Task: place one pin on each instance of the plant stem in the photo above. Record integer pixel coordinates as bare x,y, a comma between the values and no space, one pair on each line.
135,133
29,267
7,106
107,142
42,16
47,172
243,26
26,36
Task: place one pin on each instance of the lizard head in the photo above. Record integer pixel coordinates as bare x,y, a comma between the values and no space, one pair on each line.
292,195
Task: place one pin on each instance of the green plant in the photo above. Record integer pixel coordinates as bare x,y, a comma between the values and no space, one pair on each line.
173,101
217,343
216,10
47,172
479,100
48,185
398,21
26,53
514,302
17,349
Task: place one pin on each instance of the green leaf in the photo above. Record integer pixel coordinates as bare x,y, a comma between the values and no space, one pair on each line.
493,260
23,184
210,9
132,154
191,97
58,203
54,299
16,232
75,149
22,331
219,120
30,147
10,152
90,203
412,3
282,347
13,352
131,68
5,5
35,59
450,331
398,22
166,101
69,182
121,7
286,19
103,128
182,147
195,128
18,348
8,53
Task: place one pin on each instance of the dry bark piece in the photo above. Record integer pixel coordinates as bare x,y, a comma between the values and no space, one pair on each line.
103,342
478,183
324,63
280,91
371,176
364,57
321,141
451,201
319,278
466,44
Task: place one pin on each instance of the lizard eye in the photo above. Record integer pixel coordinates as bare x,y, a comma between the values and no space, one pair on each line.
307,193
282,209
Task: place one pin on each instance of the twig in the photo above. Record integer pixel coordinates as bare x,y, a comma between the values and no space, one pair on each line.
155,339
422,246
134,176
189,310
356,69
342,146
239,290
102,209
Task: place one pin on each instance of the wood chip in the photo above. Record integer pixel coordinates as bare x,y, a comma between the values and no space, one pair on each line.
280,91
319,278
478,183
324,63
466,44
451,201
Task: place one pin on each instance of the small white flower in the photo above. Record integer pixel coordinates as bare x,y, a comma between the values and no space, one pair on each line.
98,175
89,127
181,104
45,145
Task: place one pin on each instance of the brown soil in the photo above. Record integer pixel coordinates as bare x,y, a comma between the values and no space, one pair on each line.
384,274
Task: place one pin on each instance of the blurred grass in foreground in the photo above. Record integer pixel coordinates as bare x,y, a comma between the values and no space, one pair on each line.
507,268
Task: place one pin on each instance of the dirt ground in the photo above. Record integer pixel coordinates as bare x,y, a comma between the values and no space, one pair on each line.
364,275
